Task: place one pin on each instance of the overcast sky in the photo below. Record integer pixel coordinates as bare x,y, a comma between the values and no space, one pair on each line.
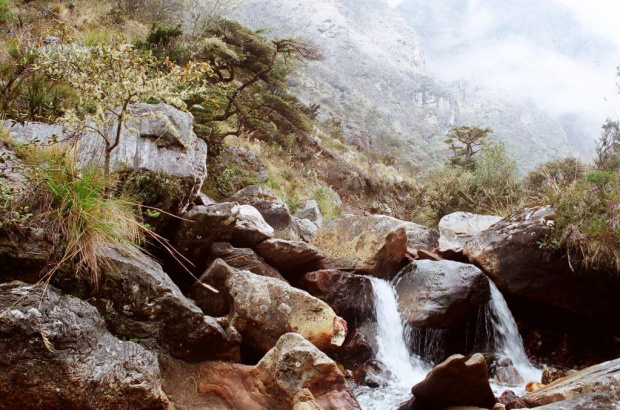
476,49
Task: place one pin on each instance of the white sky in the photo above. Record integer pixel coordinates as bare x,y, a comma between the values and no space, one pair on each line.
525,69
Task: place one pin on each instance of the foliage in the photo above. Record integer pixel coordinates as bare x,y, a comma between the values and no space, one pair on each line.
464,142
325,199
107,79
166,41
27,93
489,183
78,210
552,178
7,12
608,147
587,226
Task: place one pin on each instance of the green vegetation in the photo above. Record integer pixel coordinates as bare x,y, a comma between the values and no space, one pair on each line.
78,210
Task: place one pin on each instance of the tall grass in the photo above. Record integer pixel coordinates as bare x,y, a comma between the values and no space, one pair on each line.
79,210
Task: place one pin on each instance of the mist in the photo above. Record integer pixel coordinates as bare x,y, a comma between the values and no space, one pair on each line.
560,55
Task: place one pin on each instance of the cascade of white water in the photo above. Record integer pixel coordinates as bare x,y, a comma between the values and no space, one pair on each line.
508,341
404,370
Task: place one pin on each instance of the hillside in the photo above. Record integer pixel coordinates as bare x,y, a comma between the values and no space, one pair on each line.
376,79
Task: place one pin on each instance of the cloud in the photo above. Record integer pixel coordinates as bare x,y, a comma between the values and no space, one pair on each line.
562,55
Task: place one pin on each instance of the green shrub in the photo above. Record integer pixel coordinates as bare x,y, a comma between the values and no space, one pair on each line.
551,178
328,207
78,210
587,226
7,12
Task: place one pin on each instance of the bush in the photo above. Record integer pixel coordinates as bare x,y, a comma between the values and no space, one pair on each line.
7,12
552,177
489,183
78,210
587,226
325,199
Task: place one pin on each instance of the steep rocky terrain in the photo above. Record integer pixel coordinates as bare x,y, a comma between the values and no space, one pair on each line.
375,79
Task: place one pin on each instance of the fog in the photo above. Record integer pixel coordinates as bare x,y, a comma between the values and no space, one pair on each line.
560,54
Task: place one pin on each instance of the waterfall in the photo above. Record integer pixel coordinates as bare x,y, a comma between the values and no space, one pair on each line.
404,370
506,336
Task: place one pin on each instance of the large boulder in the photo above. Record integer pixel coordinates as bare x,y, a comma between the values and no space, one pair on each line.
275,212
250,227
440,294
373,245
510,254
293,257
156,138
459,227
23,253
420,237
263,309
351,297
602,378
292,375
311,212
202,226
140,301
458,381
58,354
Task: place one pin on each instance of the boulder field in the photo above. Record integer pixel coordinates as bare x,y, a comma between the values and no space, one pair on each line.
275,310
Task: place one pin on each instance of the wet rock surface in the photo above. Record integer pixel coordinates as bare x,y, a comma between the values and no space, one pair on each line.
458,381
440,294
57,353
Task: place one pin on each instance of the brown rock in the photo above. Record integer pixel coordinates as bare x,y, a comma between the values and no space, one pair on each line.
510,400
420,237
602,378
293,375
551,374
531,387
250,227
372,374
456,382
244,259
286,256
374,245
263,309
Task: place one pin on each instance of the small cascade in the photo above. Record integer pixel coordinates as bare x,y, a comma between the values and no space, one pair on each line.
404,369
506,335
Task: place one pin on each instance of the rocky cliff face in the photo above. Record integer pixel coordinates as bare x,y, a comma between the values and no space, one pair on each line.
375,80
373,77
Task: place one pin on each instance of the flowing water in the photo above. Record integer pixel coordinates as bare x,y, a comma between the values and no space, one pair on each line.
405,369
508,342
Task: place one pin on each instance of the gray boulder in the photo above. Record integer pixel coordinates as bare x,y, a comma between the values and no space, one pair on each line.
459,227
311,212
275,212
420,237
142,302
440,294
374,245
250,227
263,309
157,138
57,353
509,252
306,229
602,378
